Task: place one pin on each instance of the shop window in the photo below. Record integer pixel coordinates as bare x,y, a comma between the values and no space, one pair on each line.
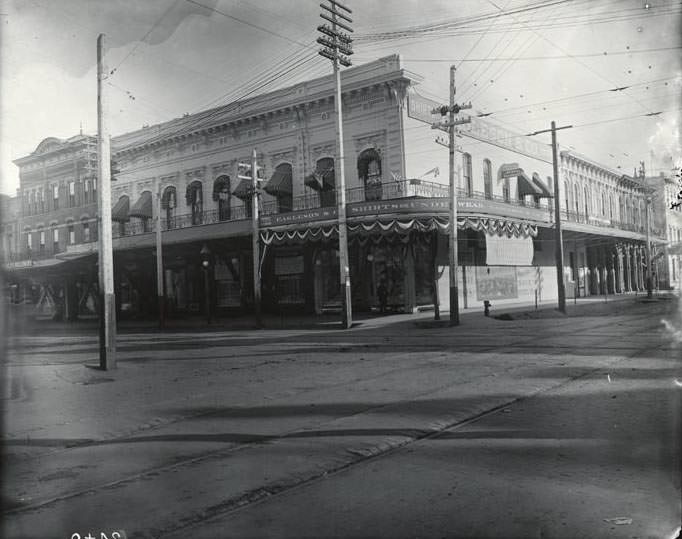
194,197
222,194
488,178
168,204
467,172
369,172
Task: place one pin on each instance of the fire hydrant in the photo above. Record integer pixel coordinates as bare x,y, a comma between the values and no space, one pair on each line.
486,308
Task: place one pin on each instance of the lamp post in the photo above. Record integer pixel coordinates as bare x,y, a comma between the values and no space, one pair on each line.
206,263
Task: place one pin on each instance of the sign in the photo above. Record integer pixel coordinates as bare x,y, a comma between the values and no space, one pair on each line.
408,205
505,251
509,140
494,282
288,265
420,107
510,170
298,217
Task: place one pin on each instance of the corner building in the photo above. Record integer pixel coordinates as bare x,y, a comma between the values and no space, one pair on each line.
397,206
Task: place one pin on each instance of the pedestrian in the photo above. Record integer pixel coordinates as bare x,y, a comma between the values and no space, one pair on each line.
382,293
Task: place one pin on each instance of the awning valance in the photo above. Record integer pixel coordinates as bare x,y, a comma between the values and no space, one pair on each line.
280,182
143,207
499,227
542,185
243,190
526,186
120,211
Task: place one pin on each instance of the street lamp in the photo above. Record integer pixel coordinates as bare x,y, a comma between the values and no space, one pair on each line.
206,263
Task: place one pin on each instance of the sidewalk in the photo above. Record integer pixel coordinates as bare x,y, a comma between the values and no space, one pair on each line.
574,307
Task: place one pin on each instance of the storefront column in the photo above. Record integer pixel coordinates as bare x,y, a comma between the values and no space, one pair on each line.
628,270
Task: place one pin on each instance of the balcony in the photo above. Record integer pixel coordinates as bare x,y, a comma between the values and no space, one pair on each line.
404,196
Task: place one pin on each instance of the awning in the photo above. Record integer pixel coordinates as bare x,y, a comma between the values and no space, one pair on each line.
526,185
143,207
542,185
120,211
323,179
280,183
243,190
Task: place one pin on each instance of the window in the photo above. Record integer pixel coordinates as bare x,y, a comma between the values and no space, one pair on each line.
41,201
506,193
31,203
487,178
586,201
55,196
72,194
674,271
55,239
567,193
467,173
72,234
603,203
221,193
610,206
327,178
194,197
29,240
576,199
168,203
41,240
369,173
86,230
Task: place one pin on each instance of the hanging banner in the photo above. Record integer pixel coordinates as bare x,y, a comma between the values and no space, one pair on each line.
496,283
506,251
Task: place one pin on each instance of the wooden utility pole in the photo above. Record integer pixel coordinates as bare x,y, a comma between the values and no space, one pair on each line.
451,110
255,241
159,260
107,347
337,48
558,239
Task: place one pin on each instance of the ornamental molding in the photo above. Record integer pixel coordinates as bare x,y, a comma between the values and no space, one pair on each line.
374,141
195,174
225,167
284,155
145,185
327,149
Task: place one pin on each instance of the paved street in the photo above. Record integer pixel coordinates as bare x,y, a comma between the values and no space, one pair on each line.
539,426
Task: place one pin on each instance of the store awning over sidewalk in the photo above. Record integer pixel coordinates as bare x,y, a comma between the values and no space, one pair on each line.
143,207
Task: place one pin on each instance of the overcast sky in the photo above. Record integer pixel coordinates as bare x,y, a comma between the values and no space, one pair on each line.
525,64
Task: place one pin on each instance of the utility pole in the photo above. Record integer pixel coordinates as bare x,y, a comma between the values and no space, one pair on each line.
649,277
558,239
107,343
451,110
337,48
251,173
159,259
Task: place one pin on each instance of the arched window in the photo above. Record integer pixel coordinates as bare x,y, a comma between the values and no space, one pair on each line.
281,187
85,230
467,174
41,240
369,172
169,202
586,201
195,199
29,239
488,178
325,181
222,194
567,193
576,200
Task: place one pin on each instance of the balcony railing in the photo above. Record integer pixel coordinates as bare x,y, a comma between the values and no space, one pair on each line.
384,191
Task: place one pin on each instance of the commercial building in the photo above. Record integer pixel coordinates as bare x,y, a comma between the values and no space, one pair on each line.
397,207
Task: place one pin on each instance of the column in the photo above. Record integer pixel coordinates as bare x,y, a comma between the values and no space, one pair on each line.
628,270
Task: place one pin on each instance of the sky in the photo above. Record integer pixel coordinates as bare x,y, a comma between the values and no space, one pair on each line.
610,68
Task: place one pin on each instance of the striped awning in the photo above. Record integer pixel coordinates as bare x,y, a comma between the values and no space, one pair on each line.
542,185
280,182
526,185
143,207
243,190
120,211
323,179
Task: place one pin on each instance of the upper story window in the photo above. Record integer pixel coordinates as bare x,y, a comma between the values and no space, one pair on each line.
488,178
55,239
567,193
222,194
29,240
55,196
72,194
71,233
369,172
85,227
168,204
280,186
194,197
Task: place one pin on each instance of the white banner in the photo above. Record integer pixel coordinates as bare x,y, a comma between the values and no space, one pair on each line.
506,251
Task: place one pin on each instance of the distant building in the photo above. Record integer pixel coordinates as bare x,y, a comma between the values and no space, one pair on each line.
667,216
397,194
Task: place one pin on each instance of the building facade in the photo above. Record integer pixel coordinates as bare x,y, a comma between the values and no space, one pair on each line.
184,176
